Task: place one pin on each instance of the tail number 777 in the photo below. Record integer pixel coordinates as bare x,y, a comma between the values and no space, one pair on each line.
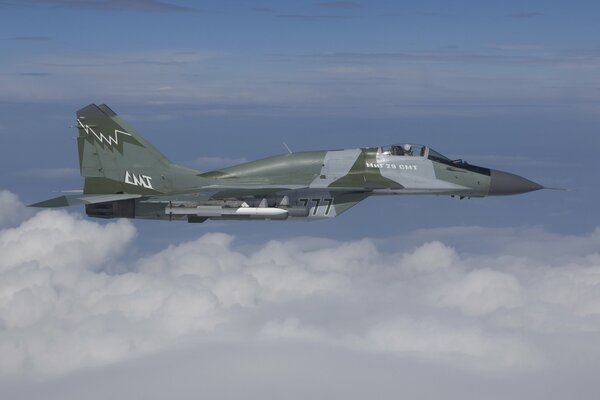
316,202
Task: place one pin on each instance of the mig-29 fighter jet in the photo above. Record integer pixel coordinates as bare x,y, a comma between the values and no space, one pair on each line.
127,177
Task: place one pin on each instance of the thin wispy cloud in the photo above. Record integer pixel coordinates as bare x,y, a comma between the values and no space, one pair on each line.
48,173
157,58
439,80
263,9
29,38
340,5
428,13
116,5
10,4
412,14
34,73
306,17
516,46
210,163
519,55
525,15
118,63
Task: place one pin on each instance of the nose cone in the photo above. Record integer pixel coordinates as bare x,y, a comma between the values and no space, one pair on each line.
503,183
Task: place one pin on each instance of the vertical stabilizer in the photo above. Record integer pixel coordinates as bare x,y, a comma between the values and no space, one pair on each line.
114,158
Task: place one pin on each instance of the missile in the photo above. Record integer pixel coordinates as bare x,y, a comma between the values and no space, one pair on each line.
218,211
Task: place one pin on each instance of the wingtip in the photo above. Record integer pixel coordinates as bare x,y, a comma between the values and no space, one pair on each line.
56,202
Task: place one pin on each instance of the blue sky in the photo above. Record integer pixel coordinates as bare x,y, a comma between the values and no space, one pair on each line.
480,293
503,85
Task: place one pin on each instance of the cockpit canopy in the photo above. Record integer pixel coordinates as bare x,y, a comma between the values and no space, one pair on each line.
415,150
405,149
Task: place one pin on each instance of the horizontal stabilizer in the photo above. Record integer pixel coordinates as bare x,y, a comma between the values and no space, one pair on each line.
81,199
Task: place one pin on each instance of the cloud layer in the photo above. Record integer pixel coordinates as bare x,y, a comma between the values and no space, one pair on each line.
63,308
497,76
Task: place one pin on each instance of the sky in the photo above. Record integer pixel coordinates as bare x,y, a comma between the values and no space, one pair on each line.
487,298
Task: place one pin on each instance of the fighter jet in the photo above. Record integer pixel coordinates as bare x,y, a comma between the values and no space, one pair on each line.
126,177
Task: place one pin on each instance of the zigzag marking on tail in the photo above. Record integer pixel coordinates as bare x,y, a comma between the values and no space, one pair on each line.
101,138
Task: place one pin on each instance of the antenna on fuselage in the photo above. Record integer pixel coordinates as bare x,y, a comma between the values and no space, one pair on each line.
287,147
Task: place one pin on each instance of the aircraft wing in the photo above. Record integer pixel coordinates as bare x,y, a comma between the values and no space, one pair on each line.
82,199
211,192
198,205
221,192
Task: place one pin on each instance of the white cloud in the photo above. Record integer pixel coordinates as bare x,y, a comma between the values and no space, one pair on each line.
12,210
60,241
460,346
431,257
291,329
480,292
61,312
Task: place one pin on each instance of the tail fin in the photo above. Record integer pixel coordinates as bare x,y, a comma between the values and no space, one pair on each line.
114,158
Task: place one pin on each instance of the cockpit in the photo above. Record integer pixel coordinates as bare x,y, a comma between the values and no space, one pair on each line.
406,150
416,150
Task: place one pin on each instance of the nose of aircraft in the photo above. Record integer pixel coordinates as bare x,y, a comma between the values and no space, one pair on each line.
504,183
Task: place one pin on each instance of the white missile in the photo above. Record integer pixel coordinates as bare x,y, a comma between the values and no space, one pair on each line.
218,211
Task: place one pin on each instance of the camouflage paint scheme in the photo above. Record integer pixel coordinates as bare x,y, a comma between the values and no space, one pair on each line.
127,177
